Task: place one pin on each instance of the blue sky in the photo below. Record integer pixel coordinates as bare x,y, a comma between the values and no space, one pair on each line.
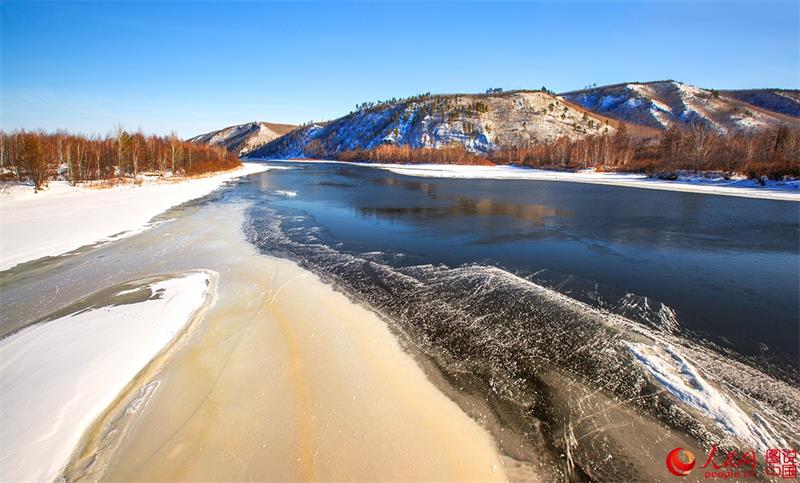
197,66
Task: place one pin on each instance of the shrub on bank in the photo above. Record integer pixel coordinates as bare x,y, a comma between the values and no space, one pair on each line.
405,154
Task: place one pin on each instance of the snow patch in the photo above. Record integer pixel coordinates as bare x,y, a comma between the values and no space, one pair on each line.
609,102
689,91
57,377
747,122
63,218
684,381
634,103
660,106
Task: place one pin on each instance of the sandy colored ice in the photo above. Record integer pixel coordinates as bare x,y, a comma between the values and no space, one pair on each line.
287,379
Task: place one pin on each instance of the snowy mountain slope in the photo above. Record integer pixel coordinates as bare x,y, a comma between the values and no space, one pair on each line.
478,122
243,138
663,104
784,101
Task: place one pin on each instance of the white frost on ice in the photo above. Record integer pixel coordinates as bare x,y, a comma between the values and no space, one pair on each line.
683,380
57,377
64,218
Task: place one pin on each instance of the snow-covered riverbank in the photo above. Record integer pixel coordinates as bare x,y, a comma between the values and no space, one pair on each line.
284,379
64,218
773,190
57,377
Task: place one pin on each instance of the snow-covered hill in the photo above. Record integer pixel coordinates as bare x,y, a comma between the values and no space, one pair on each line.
479,122
243,138
663,104
784,101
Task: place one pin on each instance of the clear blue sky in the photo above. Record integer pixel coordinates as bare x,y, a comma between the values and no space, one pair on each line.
198,66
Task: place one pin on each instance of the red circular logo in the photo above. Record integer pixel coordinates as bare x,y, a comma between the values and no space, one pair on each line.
678,466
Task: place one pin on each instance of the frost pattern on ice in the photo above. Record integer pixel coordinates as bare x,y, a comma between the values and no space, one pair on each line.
655,314
683,380
485,326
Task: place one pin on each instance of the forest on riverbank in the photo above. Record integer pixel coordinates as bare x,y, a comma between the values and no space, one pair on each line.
773,153
38,156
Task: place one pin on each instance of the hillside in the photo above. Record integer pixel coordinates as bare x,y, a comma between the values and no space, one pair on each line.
784,101
243,138
663,104
481,123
